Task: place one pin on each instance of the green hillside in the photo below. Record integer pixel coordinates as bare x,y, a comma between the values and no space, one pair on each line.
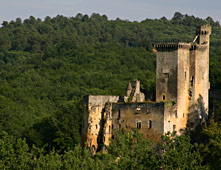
46,67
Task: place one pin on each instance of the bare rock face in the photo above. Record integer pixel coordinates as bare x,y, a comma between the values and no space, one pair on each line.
182,84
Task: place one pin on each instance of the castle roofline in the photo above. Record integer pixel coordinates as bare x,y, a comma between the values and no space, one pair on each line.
172,45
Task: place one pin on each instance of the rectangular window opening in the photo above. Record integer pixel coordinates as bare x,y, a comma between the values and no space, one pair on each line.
150,124
119,114
176,115
164,97
138,125
192,81
166,75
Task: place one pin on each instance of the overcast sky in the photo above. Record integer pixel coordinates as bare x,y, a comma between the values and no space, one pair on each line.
125,9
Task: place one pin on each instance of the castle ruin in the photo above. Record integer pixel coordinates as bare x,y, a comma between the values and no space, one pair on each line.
182,84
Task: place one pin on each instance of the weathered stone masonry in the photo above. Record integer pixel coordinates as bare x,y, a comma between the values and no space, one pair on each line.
182,84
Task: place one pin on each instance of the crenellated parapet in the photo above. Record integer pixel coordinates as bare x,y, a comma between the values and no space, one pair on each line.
172,46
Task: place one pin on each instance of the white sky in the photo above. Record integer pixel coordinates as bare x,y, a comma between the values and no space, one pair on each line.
125,9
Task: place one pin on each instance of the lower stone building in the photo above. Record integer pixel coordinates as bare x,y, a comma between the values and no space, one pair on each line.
103,114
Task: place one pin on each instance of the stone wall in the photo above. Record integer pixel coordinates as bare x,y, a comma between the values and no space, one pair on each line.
93,118
171,119
148,118
183,82
166,75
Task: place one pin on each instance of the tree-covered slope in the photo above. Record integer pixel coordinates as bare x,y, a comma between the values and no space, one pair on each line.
46,67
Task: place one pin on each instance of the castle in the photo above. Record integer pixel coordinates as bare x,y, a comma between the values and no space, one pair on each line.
182,85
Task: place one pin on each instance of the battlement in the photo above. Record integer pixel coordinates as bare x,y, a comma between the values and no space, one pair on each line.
175,46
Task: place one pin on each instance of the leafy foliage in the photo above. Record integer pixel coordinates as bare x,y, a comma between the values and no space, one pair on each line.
13,152
127,151
46,67
179,153
131,151
211,145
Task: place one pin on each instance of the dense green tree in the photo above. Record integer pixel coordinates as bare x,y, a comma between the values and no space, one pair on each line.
14,153
210,146
130,151
47,66
176,152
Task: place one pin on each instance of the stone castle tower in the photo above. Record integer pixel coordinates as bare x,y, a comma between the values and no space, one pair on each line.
182,84
183,77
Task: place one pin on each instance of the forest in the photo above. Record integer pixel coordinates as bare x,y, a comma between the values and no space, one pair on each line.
47,66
